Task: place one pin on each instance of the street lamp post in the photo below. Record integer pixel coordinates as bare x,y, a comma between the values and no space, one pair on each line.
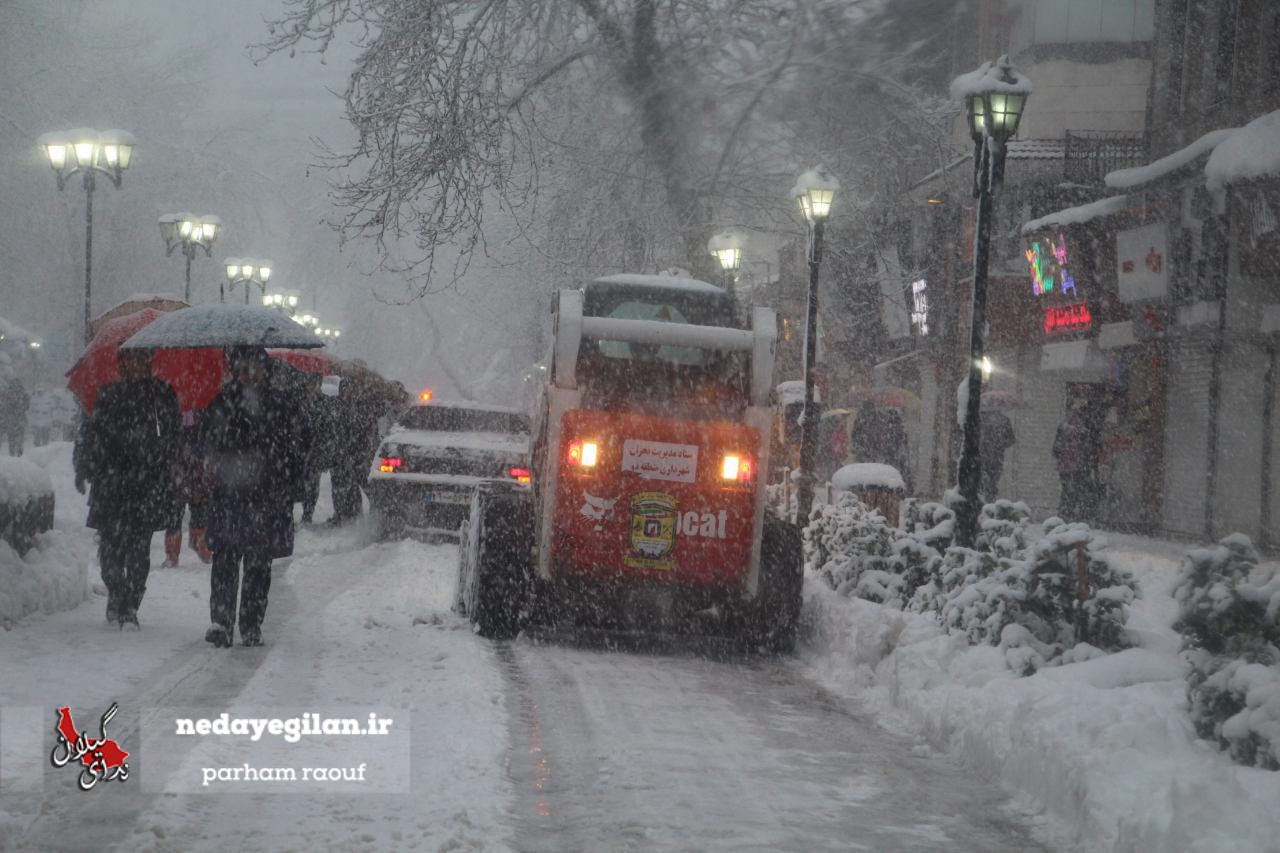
89,152
191,232
726,248
814,192
247,271
994,97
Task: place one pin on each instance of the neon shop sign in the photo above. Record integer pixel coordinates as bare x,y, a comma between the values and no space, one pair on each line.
1050,267
1067,318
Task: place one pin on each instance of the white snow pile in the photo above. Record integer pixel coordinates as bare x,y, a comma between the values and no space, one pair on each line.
53,575
21,480
1102,744
1250,153
862,475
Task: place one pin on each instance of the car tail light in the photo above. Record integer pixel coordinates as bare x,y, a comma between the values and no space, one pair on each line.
737,468
390,464
521,475
583,454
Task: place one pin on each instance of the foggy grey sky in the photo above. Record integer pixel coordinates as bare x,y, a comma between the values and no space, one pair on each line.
216,134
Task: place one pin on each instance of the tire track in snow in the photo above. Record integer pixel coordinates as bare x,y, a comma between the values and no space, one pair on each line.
623,750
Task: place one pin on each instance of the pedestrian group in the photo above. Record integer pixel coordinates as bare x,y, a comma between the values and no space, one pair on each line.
239,466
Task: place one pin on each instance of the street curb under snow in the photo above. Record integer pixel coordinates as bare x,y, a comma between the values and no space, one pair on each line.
1103,749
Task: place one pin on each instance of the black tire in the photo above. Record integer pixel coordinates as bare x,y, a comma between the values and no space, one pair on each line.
495,589
777,613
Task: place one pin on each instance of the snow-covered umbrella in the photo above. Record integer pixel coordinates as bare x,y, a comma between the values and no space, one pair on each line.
224,326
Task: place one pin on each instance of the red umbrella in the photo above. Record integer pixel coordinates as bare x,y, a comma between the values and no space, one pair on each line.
312,361
195,374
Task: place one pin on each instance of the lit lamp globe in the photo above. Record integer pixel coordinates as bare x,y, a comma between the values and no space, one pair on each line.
815,192
995,96
726,248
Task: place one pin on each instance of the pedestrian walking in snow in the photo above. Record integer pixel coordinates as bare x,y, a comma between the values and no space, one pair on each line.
997,437
191,492
356,438
1076,447
126,452
251,443
319,441
13,410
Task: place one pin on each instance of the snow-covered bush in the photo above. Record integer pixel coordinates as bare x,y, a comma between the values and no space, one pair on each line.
929,522
1037,601
1002,527
1230,624
845,541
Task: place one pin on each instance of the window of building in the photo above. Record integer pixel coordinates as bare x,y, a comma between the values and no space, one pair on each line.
1056,22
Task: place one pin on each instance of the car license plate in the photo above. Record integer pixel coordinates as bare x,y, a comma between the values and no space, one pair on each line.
449,497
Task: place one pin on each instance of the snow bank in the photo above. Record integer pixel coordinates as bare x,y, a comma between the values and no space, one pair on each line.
1250,153
21,480
1104,747
55,574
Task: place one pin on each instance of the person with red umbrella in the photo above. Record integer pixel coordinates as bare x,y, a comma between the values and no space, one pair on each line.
128,452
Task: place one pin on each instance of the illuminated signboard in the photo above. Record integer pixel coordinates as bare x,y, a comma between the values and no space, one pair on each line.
1050,267
1067,318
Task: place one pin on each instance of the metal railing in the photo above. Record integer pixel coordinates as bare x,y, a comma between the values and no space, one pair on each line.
1088,155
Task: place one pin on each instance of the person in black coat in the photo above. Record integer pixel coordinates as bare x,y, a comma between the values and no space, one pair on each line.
252,444
127,451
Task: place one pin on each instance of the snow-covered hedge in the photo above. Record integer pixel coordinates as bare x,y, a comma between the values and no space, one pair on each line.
1043,597
26,502
1230,625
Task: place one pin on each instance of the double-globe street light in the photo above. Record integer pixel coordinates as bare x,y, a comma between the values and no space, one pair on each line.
814,192
246,271
994,97
89,152
191,232
282,300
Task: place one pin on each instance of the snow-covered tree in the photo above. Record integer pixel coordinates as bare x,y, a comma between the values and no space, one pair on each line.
1230,624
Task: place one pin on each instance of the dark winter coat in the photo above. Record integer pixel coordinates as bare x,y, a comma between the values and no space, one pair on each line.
128,450
251,441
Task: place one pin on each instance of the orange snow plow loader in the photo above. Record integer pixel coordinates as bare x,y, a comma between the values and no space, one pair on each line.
646,510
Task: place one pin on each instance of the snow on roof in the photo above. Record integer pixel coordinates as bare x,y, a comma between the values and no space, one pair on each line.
669,282
495,442
1123,179
861,475
998,76
1077,215
1251,152
468,404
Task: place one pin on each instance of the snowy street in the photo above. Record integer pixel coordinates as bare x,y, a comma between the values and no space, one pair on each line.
535,745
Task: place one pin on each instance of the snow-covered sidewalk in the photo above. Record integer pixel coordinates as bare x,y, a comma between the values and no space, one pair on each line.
1103,748
350,625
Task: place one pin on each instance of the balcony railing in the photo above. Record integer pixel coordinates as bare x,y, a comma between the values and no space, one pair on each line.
1088,155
